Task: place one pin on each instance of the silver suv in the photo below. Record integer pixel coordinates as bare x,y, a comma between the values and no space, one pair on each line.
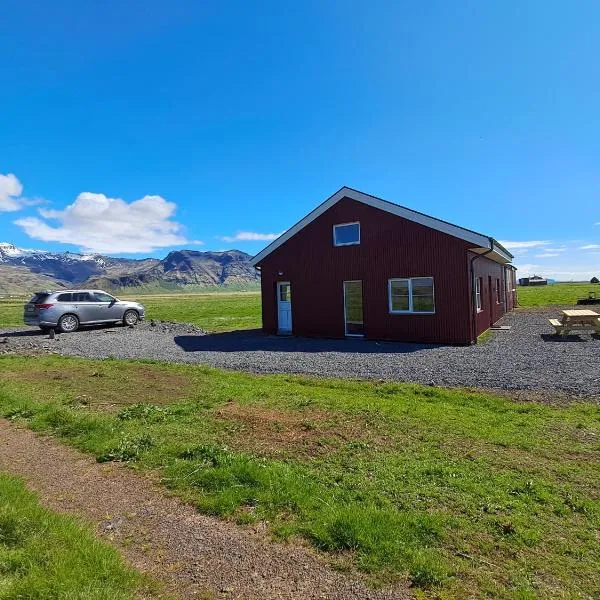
66,310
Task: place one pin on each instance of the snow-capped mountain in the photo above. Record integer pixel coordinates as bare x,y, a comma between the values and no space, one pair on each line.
10,253
179,268
70,267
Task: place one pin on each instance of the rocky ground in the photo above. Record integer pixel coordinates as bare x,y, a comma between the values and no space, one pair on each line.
525,358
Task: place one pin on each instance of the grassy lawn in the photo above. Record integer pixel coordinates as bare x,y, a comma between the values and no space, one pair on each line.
214,311
46,555
466,494
11,312
555,293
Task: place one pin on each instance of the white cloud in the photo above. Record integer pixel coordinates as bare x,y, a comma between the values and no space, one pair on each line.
547,255
589,247
99,224
530,244
250,236
10,193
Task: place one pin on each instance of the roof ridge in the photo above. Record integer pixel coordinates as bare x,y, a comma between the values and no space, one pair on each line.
479,239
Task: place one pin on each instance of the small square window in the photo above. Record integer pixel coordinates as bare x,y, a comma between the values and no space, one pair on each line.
346,234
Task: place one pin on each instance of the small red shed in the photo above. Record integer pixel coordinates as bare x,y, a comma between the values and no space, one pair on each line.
358,265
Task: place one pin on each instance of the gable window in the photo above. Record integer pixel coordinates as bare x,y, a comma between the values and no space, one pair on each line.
478,286
414,295
346,234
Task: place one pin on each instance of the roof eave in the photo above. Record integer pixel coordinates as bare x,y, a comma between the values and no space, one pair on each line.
495,253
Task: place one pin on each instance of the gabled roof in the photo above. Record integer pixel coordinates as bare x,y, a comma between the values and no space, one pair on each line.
481,243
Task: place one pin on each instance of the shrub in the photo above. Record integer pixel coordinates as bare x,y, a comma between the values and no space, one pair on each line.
128,449
148,412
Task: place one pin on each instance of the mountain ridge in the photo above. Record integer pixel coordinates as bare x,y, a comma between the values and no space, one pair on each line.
180,268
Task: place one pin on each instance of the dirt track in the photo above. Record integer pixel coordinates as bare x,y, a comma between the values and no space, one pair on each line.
196,556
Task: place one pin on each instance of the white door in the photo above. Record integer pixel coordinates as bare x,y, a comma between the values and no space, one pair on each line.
284,307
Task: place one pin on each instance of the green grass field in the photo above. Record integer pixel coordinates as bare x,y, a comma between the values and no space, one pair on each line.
11,312
227,311
555,293
466,494
44,555
211,311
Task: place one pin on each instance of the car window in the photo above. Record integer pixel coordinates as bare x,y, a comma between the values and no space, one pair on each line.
81,297
39,298
101,297
65,297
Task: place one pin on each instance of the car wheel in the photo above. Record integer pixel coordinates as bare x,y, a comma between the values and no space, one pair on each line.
68,323
130,317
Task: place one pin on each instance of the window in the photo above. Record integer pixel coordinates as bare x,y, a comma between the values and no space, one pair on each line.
65,297
102,297
346,234
285,292
39,298
498,293
411,295
81,297
478,286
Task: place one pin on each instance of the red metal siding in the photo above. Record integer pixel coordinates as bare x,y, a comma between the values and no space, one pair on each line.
391,247
493,280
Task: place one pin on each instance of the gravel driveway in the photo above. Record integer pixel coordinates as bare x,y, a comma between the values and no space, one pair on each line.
526,357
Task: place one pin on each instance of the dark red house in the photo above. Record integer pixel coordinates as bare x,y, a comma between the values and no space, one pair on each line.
361,266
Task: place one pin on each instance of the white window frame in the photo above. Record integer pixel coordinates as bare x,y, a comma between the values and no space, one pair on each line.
363,308
346,243
478,301
410,310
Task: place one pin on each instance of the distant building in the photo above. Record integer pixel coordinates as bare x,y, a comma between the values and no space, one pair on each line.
535,280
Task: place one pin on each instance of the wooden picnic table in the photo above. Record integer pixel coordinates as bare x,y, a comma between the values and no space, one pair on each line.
573,319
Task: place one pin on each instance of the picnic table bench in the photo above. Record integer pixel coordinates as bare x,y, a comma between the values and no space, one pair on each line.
573,320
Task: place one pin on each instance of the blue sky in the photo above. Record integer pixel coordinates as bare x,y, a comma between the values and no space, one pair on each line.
140,127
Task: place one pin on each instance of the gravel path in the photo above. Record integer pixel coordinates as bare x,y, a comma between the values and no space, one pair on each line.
526,357
193,554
